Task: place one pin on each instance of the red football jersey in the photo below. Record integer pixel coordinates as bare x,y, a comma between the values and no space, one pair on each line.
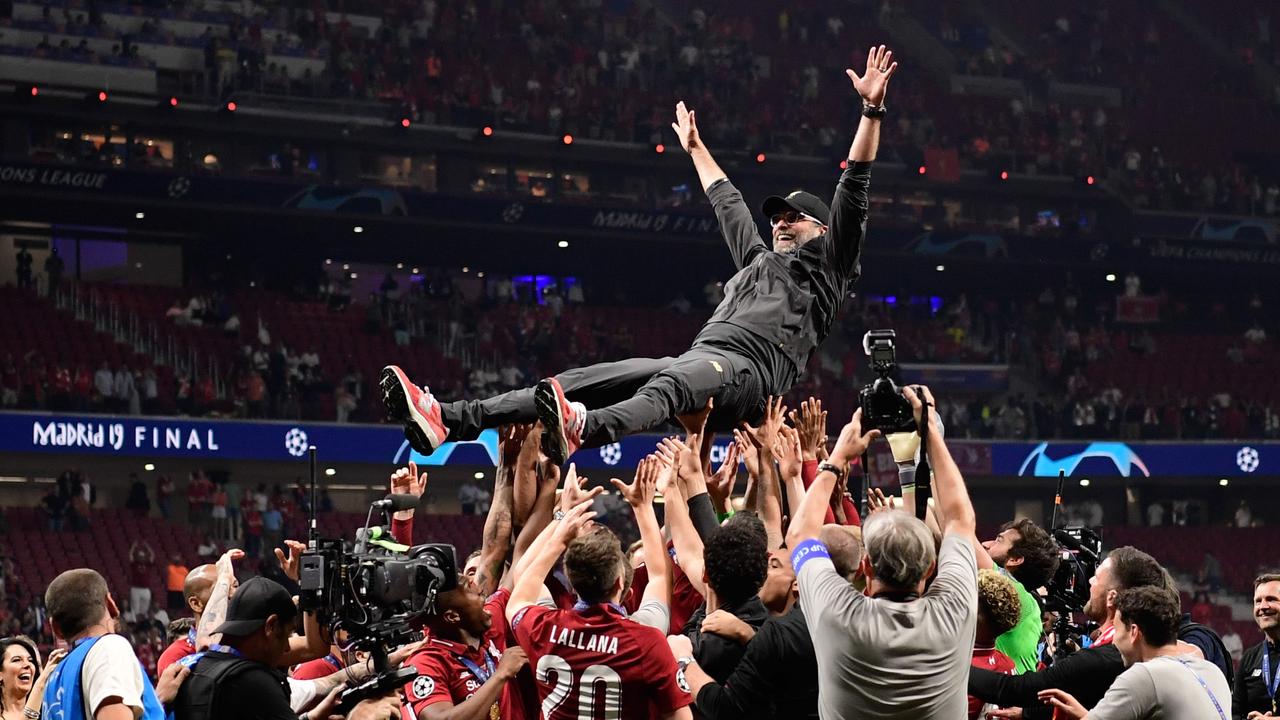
595,663
177,650
447,670
318,668
685,600
995,661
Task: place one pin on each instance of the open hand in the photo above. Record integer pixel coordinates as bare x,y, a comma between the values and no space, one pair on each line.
720,485
686,127
880,67
575,521
852,441
170,680
877,501
766,434
1064,705
812,425
642,489
788,452
728,625
575,490
747,449
289,563
511,440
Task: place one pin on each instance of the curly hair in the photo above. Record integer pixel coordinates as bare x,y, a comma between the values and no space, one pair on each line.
998,601
737,558
593,564
1038,550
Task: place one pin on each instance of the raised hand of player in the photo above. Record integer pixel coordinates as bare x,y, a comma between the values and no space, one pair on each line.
686,127
852,441
513,658
289,563
720,485
872,84
680,645
766,434
787,450
224,565
409,480
683,456
811,422
642,489
747,449
511,440
575,520
695,423
575,490
877,501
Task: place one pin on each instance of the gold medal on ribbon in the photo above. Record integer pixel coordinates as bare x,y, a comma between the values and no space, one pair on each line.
494,713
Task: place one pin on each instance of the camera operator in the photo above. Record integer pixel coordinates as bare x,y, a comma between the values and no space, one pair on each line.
902,652
243,675
1028,555
1087,674
1158,681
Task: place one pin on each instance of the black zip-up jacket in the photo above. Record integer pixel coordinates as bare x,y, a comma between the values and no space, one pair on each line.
1250,692
1086,675
789,300
777,677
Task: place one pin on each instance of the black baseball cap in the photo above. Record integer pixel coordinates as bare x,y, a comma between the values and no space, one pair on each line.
256,600
800,201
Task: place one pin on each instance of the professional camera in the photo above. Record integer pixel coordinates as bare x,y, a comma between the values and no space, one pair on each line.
1081,550
883,405
379,592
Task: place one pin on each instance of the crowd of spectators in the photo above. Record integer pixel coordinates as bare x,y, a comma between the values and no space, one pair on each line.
733,601
517,332
597,71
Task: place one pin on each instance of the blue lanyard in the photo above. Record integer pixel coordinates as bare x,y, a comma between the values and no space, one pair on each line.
1272,684
191,637
482,677
225,649
582,605
1213,698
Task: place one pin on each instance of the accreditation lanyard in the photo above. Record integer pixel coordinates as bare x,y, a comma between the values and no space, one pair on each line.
1272,684
1216,705
490,668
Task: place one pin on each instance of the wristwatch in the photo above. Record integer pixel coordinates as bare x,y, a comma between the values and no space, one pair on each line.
832,468
875,112
681,664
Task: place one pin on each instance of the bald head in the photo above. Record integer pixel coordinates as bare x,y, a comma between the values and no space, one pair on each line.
845,548
198,586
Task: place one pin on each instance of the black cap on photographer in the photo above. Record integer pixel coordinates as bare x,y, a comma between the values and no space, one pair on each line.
255,601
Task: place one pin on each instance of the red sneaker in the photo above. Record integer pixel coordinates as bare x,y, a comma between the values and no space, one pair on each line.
416,408
562,421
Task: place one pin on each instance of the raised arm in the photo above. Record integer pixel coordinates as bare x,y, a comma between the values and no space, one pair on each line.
769,494
406,481
529,583
684,536
639,495
948,484
215,611
736,224
496,540
849,206
806,521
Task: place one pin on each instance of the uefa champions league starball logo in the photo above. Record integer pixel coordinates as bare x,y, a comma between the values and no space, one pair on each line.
295,441
611,454
1247,459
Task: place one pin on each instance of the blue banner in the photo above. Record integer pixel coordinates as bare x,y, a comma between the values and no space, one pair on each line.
151,437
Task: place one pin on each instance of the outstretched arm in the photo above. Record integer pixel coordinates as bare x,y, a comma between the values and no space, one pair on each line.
736,224
849,206
871,86
639,495
686,127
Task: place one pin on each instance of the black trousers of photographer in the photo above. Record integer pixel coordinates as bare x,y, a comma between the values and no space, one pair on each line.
631,396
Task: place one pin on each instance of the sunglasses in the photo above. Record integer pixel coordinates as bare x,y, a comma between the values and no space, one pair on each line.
791,217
